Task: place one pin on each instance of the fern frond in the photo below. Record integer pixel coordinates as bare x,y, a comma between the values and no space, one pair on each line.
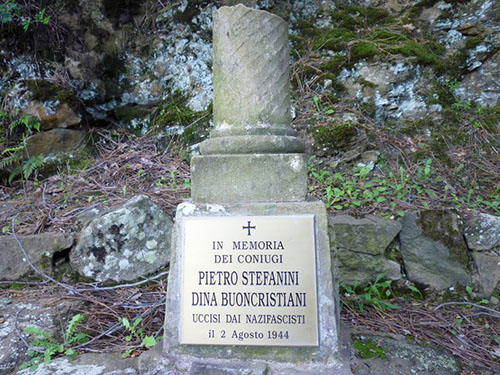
31,164
73,325
13,149
8,161
16,172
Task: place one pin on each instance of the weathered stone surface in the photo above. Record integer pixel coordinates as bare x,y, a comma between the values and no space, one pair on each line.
249,178
204,368
251,84
482,232
482,84
488,272
433,249
88,364
40,249
361,245
62,116
124,244
54,141
250,69
46,314
364,267
394,88
405,357
304,360
255,144
370,235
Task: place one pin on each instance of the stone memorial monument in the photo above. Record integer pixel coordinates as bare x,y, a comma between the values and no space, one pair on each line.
251,288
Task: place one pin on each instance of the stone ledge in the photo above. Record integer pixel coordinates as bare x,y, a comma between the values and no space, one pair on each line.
249,178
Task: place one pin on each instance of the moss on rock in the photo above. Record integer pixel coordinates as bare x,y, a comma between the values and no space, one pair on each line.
176,113
43,91
444,226
337,135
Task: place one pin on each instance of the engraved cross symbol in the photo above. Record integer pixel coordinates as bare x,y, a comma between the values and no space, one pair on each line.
249,228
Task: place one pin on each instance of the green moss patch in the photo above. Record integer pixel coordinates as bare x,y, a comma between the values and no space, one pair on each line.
175,112
336,135
44,91
426,54
131,112
368,349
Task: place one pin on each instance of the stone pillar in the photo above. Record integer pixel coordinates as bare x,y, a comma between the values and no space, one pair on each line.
253,166
252,142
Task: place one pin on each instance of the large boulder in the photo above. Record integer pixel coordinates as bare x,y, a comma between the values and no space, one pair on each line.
433,249
124,244
40,249
361,247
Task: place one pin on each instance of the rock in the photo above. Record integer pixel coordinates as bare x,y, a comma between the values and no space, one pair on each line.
370,156
482,84
402,357
371,235
85,217
52,105
62,116
433,249
55,141
88,364
40,249
488,269
124,244
363,268
394,88
482,232
47,315
362,244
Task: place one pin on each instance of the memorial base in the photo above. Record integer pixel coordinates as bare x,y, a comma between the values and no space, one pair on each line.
330,357
235,178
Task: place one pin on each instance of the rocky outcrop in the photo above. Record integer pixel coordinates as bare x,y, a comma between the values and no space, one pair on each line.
394,88
138,58
40,249
129,242
433,249
362,245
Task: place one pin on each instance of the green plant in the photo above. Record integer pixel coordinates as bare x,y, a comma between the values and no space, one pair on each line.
147,341
320,112
375,294
17,155
368,349
45,346
12,12
383,190
417,291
